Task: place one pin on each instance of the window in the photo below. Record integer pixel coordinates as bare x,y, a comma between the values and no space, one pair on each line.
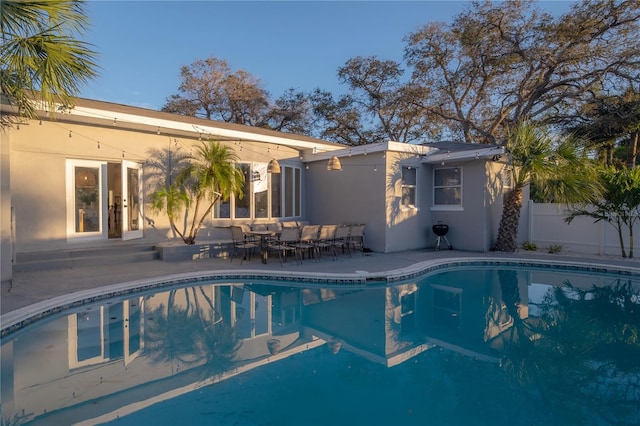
243,201
260,182
291,181
409,186
447,187
264,195
276,195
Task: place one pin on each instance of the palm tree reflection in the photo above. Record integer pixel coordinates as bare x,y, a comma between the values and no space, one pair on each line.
582,349
195,334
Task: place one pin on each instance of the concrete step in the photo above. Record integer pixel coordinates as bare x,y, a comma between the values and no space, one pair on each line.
69,259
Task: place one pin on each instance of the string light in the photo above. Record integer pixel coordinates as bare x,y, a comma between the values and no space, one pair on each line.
176,142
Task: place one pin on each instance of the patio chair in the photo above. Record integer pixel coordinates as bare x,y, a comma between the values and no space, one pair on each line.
325,239
308,238
341,240
241,244
356,237
246,229
286,244
275,226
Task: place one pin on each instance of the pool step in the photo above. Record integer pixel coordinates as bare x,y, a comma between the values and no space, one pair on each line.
69,259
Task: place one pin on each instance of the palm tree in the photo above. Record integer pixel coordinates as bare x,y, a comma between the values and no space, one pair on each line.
560,170
41,52
211,176
619,205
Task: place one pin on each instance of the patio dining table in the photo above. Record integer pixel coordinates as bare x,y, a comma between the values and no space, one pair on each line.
264,247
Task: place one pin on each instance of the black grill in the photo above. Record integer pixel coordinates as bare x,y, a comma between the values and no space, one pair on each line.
441,230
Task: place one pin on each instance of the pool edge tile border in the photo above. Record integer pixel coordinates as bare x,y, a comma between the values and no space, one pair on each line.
20,318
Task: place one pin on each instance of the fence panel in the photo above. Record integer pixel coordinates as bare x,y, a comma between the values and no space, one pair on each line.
547,227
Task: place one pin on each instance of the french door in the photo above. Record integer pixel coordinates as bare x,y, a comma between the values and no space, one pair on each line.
104,200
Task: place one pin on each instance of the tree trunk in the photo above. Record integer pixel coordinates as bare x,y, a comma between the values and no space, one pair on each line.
632,150
508,230
620,237
631,241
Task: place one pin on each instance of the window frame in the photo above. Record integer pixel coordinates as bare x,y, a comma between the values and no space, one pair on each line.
448,207
413,186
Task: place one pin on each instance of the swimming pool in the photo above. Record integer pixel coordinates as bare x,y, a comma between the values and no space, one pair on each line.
462,344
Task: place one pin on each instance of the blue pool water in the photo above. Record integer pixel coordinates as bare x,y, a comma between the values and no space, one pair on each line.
481,346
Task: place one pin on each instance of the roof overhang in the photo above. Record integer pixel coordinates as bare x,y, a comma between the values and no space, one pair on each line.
105,114
464,155
319,154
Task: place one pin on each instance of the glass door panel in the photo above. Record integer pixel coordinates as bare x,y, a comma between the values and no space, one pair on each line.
86,204
131,202
87,199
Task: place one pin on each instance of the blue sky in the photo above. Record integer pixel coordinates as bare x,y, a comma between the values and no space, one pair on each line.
142,44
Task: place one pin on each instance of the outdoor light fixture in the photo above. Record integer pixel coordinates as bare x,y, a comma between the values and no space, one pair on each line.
273,167
334,164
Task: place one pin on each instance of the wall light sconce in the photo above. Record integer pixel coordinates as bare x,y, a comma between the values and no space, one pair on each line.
334,164
273,166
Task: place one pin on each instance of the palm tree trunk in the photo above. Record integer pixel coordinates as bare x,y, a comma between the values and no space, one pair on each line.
508,230
619,225
631,241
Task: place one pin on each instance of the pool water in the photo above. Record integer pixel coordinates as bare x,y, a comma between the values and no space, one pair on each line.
466,346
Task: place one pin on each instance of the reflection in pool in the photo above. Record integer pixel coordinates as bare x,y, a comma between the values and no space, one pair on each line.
468,346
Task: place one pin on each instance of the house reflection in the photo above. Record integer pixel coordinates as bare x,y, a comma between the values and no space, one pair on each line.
144,349
460,310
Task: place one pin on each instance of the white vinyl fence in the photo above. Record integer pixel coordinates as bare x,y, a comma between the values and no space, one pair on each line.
547,227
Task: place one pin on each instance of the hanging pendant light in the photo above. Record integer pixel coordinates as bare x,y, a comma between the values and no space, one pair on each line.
85,178
334,164
273,167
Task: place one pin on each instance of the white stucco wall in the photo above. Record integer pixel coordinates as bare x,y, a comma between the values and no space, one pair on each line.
38,154
353,195
6,245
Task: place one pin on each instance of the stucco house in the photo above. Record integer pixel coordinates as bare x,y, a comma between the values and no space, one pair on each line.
81,178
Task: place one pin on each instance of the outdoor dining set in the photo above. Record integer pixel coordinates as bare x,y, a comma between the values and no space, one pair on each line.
297,241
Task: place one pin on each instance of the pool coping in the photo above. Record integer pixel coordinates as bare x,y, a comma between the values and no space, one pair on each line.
15,320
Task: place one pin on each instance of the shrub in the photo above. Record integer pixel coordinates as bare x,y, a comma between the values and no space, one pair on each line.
529,246
554,248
